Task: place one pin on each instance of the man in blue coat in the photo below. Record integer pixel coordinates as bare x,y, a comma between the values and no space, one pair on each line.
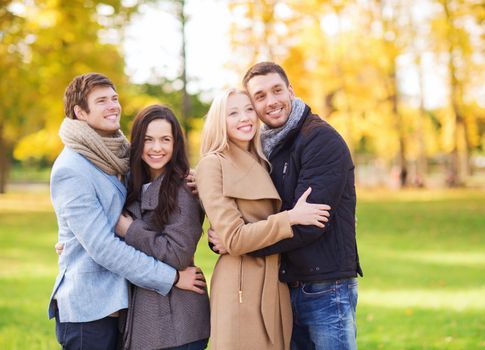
88,196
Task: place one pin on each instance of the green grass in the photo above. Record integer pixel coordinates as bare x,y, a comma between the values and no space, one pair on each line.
423,255
20,173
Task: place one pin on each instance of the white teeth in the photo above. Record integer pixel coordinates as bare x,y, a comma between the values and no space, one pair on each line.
245,128
276,111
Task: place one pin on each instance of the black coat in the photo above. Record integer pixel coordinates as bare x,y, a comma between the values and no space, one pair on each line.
315,155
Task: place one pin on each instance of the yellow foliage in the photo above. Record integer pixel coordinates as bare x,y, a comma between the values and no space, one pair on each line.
133,103
43,143
343,59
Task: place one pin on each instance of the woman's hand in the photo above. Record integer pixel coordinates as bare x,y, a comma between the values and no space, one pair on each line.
192,279
304,213
123,224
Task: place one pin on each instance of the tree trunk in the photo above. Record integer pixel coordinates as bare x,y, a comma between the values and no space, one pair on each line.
469,170
421,163
4,161
186,103
456,172
403,172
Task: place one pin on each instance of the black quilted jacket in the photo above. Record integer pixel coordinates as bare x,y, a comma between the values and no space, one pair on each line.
314,154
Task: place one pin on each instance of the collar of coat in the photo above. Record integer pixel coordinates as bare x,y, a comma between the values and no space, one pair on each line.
149,199
244,177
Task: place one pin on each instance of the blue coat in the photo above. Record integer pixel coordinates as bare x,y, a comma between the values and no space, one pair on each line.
91,282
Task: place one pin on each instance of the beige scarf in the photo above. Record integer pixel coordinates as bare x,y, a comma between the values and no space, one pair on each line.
110,154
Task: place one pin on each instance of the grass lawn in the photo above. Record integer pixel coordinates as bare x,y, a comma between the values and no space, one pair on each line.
423,255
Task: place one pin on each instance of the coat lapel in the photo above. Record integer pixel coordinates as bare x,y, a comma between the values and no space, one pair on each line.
149,199
114,180
244,177
117,183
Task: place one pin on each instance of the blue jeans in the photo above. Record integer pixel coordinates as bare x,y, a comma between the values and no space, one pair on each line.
95,335
324,315
196,345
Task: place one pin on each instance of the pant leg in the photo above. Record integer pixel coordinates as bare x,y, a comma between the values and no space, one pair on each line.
300,336
326,312
95,335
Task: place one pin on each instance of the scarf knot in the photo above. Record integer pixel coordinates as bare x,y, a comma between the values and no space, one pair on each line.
110,154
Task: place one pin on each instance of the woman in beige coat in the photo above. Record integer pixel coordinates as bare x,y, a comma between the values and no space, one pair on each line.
250,308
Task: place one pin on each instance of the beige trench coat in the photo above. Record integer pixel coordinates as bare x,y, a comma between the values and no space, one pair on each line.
250,308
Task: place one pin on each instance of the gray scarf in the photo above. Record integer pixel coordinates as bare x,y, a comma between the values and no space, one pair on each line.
271,137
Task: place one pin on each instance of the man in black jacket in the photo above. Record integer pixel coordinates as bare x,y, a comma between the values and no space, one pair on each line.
319,265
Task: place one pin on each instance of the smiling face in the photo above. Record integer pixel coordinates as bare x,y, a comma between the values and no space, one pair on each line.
271,98
104,111
158,146
241,119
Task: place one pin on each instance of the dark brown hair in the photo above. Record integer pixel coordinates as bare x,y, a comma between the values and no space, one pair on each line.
263,68
78,90
175,170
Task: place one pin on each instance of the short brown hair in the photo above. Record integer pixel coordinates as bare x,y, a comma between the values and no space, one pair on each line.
77,91
263,68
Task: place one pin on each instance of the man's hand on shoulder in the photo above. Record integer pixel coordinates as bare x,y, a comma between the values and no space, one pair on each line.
190,180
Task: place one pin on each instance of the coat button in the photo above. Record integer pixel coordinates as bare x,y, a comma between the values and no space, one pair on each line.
317,268
283,271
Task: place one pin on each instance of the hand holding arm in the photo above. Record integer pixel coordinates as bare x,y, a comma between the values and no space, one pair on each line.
217,244
304,213
191,279
123,224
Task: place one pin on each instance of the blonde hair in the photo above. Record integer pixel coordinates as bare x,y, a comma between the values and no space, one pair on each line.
214,134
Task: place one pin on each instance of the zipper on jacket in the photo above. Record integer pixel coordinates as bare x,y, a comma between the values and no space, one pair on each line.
285,167
283,178
240,281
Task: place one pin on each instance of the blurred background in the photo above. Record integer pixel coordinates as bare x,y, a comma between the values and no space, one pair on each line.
403,81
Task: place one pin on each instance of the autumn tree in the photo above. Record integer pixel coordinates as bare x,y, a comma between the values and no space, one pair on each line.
459,39
16,84
57,41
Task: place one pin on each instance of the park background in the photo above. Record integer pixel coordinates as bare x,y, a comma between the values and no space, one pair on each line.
401,80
